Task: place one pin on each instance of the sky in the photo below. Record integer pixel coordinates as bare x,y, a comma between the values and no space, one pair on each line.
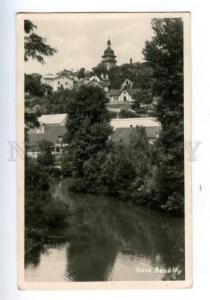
81,39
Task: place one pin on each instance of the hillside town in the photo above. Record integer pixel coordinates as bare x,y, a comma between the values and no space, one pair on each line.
52,126
104,149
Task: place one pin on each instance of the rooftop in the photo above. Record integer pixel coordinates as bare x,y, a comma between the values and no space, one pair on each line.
126,123
114,92
64,73
58,119
108,52
55,128
133,92
124,134
51,133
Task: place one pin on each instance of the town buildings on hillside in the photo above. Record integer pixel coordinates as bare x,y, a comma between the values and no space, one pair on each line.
65,79
52,128
69,80
102,81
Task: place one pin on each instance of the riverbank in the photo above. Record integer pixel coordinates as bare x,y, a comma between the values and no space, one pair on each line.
107,239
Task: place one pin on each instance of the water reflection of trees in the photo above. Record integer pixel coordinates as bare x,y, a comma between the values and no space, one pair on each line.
90,263
100,229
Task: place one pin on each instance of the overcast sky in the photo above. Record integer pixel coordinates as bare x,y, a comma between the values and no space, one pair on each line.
81,41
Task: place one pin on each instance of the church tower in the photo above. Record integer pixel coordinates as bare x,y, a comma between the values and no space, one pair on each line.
109,58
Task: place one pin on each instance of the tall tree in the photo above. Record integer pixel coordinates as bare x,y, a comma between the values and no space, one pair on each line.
35,45
35,48
41,211
164,53
88,129
81,73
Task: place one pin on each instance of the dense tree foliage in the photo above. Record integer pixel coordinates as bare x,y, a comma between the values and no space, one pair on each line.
124,113
31,122
35,87
35,45
126,167
82,73
139,73
45,158
88,130
118,172
143,96
41,210
51,103
93,163
164,53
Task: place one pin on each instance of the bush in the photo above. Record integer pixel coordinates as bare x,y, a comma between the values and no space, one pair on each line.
45,158
53,171
112,114
124,113
118,172
76,185
42,211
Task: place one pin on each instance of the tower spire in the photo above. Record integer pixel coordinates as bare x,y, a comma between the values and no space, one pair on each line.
109,58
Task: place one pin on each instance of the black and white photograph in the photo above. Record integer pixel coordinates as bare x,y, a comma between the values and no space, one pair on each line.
103,112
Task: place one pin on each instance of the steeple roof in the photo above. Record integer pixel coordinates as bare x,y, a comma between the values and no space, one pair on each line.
109,43
109,53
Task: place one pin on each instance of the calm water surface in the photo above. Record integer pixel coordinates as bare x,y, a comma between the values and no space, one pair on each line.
109,240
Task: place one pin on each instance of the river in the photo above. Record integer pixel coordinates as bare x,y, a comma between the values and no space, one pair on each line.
107,239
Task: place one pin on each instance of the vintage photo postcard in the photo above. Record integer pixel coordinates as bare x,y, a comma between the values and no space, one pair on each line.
104,116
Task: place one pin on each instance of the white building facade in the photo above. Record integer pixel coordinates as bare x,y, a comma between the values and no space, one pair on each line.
57,81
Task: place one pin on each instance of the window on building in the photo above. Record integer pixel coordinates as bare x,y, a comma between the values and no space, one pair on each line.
58,82
57,149
66,82
124,98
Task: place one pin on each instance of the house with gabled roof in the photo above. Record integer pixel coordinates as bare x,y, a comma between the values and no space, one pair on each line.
127,84
65,79
102,81
122,96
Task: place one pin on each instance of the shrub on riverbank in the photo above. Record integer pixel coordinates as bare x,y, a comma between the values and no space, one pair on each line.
118,173
42,211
